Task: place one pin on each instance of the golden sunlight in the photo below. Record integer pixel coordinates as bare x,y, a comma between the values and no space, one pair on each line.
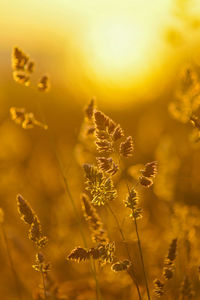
121,46
102,44
118,44
100,150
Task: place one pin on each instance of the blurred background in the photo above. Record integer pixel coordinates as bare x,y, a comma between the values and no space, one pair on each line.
128,55
113,50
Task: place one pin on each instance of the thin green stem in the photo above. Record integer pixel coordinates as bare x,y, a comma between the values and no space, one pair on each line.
68,192
67,189
117,222
142,258
15,277
140,251
127,250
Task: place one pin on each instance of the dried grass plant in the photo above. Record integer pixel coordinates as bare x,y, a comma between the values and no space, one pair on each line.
114,212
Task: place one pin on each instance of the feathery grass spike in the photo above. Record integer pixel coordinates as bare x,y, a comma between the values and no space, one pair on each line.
29,217
96,227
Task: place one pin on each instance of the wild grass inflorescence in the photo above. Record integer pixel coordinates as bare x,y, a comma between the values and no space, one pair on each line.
100,184
126,215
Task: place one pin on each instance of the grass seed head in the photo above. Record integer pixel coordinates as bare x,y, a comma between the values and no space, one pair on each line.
89,110
100,187
21,78
126,148
107,165
98,234
19,59
117,133
30,67
44,84
79,254
25,210
121,266
150,169
158,288
146,182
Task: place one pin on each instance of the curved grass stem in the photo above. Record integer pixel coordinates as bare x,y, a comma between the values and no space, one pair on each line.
140,251
69,194
133,277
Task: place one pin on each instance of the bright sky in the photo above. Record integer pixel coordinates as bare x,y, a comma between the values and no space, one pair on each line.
112,41
115,34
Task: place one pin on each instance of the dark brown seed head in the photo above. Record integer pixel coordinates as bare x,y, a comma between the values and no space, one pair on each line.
79,254
25,210
121,266
146,182
118,133
158,288
30,67
126,148
150,169
101,120
172,250
44,84
89,110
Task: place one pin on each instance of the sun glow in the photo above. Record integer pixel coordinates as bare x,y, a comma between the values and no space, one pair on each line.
101,47
118,44
119,47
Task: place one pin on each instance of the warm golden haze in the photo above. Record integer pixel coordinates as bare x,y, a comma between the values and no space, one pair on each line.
100,150
114,50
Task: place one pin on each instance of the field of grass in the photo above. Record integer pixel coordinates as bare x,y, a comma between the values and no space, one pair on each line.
99,201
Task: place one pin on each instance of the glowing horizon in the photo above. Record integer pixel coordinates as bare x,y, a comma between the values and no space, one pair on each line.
101,45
